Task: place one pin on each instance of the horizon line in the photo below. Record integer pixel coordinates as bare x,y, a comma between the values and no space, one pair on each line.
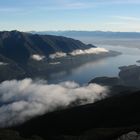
70,31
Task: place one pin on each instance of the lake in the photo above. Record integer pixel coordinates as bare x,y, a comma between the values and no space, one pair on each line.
108,66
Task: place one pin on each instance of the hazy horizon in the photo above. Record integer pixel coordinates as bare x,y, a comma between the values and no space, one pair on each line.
70,31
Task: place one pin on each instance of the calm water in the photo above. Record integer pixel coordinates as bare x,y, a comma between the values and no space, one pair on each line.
104,67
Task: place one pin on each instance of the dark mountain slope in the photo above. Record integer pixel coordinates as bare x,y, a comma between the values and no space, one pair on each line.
17,48
19,45
27,55
120,111
128,76
9,69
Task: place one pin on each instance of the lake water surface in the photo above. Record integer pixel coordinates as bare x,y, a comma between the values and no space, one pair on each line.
108,66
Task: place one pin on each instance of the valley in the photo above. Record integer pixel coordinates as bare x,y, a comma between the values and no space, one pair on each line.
105,109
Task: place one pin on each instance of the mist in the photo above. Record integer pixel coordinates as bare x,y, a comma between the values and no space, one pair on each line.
24,99
37,57
89,51
79,52
57,55
2,63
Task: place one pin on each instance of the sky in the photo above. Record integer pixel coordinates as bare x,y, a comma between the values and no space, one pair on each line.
85,15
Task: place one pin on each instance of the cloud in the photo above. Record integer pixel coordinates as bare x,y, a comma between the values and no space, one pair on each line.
55,63
89,51
60,5
108,2
74,5
37,57
125,1
24,99
57,55
128,18
79,52
3,64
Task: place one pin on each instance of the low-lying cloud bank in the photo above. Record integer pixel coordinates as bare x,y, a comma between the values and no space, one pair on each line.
3,64
57,55
89,51
24,99
79,52
37,57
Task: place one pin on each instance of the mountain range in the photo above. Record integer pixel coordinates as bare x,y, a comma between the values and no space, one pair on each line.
95,34
19,46
28,55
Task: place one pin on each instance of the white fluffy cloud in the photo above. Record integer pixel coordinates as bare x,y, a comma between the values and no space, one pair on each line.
37,57
89,51
24,99
79,52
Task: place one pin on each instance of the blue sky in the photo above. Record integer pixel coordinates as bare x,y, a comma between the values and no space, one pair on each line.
43,15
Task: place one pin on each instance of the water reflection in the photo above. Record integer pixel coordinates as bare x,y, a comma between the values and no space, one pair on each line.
73,69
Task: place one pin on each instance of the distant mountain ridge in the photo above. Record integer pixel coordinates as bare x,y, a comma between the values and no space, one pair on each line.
97,34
